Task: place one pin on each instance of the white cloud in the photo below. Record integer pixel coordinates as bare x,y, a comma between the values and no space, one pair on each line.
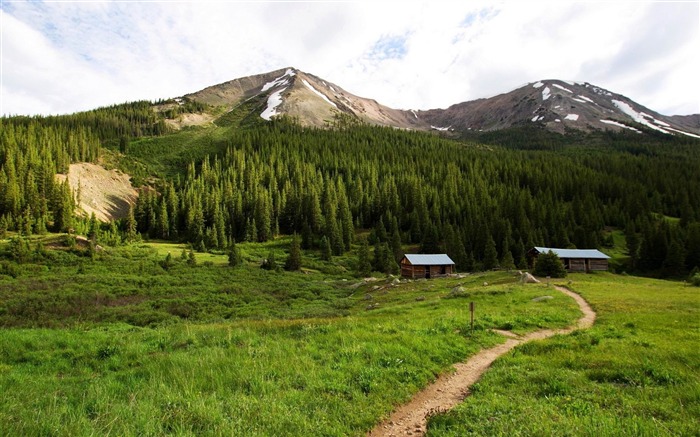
63,57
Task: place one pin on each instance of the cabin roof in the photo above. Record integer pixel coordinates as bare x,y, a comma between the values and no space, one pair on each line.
438,259
574,253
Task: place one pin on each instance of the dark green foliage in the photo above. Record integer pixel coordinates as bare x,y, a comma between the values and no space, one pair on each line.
19,249
695,280
191,259
235,258
490,254
293,262
248,184
326,252
168,262
549,264
364,267
269,263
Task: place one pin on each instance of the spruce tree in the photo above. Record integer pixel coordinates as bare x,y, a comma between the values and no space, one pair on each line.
234,255
364,267
293,262
396,248
490,254
326,252
130,224
507,261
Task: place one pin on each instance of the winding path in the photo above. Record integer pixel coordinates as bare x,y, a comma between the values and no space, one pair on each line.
451,389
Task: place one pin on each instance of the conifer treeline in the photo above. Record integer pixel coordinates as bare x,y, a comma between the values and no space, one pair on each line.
31,154
483,206
34,149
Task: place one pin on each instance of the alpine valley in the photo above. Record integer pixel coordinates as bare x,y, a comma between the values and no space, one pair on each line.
227,262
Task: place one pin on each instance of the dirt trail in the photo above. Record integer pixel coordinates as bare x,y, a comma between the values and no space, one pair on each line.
450,389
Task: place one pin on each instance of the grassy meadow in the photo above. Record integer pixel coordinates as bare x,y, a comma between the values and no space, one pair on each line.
636,372
256,353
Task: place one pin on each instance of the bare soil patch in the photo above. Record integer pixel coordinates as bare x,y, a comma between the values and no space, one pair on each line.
107,193
451,389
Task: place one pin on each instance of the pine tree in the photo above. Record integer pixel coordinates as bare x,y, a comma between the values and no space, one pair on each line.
490,254
379,262
93,228
191,259
507,261
674,262
326,252
234,255
293,262
130,224
364,267
396,248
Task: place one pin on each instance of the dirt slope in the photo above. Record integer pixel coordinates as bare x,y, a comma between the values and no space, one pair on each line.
107,193
450,389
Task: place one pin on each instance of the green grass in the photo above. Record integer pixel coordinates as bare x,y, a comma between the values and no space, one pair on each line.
634,373
260,370
619,257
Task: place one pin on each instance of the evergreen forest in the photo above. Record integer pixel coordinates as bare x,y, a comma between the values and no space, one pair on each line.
483,199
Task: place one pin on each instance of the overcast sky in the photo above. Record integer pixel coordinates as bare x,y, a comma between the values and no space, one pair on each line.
62,57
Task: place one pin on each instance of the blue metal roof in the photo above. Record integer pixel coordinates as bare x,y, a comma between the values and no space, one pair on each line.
439,259
574,253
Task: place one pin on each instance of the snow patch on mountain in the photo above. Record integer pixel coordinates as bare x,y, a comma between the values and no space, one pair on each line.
562,88
684,133
572,117
282,80
318,93
273,102
538,85
578,100
637,116
624,126
585,98
546,93
440,128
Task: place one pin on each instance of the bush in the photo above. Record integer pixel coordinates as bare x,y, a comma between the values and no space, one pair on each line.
549,264
269,263
695,280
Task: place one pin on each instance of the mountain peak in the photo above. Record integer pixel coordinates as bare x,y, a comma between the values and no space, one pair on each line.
557,105
554,104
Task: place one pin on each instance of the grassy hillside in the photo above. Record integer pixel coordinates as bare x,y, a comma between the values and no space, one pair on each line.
634,373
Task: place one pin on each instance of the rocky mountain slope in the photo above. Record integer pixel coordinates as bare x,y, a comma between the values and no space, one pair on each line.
558,106
553,104
310,99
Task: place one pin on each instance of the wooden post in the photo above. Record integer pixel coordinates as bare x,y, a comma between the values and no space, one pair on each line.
471,311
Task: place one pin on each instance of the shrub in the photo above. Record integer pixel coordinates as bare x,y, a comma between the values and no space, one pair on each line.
695,280
549,264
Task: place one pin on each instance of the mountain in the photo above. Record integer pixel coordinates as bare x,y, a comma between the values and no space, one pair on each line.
555,105
310,99
558,105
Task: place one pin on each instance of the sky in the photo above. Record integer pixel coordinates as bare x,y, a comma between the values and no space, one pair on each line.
60,57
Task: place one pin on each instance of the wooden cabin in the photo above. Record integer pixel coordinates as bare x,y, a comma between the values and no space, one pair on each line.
417,266
574,260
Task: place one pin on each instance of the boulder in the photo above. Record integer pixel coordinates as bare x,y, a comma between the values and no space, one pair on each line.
527,278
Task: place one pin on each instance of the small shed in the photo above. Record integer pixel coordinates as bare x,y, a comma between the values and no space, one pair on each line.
575,260
426,266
